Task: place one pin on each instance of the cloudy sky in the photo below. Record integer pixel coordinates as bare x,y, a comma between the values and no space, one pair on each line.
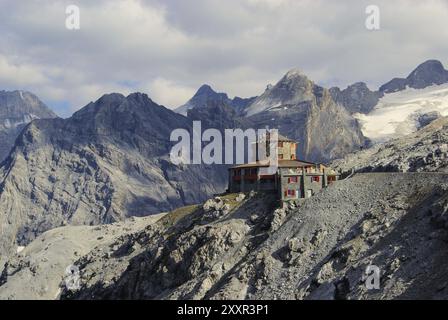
168,48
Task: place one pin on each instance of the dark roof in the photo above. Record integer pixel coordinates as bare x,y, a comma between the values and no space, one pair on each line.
281,164
295,163
251,165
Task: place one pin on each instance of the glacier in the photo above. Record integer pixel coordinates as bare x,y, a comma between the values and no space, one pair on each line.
396,113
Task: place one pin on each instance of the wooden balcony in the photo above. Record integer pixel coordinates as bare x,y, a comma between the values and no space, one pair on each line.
250,177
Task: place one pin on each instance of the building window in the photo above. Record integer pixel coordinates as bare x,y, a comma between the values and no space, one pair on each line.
280,144
290,193
280,157
331,179
293,180
315,179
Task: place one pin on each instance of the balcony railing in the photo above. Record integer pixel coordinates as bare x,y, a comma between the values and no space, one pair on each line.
250,177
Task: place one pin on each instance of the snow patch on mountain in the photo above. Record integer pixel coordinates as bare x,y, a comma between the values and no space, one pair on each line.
397,114
264,104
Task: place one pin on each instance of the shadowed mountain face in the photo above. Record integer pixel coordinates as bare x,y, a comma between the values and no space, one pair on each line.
18,108
218,115
107,162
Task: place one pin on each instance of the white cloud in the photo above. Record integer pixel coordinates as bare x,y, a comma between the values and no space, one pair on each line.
19,74
172,94
269,3
169,48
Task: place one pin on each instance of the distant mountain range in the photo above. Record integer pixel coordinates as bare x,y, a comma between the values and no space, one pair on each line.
395,109
296,106
401,106
110,160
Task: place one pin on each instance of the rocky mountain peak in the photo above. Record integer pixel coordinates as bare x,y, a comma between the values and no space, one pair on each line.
430,65
205,89
295,78
17,103
356,98
134,120
207,92
358,86
106,101
307,113
294,73
293,88
430,72
109,99
117,102
18,108
141,99
206,97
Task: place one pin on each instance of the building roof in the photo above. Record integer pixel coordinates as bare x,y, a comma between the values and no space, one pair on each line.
281,164
282,138
295,163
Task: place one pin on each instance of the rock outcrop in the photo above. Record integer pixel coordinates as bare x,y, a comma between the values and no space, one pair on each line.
395,222
320,251
423,151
